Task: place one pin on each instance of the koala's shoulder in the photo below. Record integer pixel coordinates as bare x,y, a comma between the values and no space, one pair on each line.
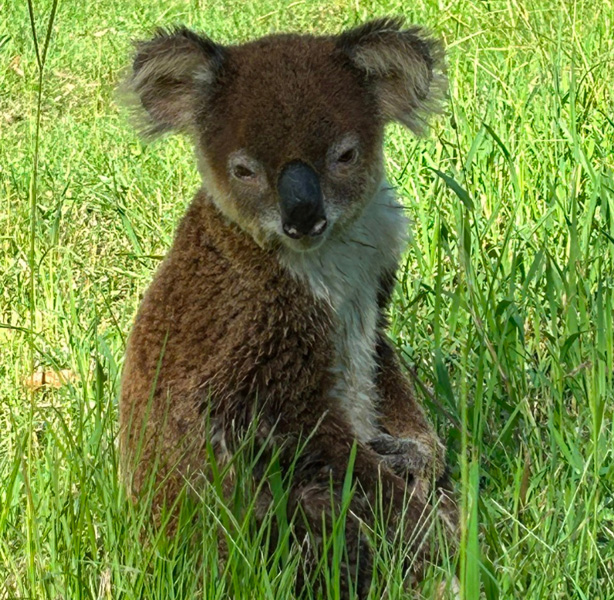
215,273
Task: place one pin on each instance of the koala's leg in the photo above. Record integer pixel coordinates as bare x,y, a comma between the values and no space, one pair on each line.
317,508
161,461
318,497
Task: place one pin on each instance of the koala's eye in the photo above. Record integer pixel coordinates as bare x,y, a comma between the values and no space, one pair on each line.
242,172
348,156
344,153
244,168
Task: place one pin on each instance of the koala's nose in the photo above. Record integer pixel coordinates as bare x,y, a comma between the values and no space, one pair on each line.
300,201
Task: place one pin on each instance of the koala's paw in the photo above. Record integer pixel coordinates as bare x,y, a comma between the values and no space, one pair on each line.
419,459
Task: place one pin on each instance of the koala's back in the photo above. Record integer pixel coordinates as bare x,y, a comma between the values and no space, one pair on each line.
197,356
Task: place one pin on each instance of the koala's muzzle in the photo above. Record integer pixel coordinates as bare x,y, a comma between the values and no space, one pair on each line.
300,201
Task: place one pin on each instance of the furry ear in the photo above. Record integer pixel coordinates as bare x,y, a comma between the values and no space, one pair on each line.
404,66
167,74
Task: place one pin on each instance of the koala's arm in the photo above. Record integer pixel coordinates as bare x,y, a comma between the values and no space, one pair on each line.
400,413
405,427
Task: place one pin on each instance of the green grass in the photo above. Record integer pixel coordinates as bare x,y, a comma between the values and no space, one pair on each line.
504,307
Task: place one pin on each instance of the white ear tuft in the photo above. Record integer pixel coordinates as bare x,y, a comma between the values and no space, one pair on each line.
405,66
168,72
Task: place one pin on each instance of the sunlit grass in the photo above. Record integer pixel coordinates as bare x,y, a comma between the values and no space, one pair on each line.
504,307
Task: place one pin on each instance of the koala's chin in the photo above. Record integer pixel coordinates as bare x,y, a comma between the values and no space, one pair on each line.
304,244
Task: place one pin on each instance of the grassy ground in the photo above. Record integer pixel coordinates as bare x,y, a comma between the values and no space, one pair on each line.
504,306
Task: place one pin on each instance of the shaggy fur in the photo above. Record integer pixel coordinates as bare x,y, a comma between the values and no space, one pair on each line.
243,324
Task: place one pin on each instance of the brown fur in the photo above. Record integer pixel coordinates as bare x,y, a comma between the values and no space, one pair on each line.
225,330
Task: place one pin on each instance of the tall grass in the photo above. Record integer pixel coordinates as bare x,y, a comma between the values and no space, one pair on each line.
503,308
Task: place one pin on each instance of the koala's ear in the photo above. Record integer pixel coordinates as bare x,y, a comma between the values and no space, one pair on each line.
168,73
404,66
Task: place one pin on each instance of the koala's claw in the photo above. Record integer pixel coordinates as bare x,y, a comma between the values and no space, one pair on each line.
408,457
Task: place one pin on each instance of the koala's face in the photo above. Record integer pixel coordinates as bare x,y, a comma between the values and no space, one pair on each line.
289,128
291,138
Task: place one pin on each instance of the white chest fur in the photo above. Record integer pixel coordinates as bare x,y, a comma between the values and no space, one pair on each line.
345,272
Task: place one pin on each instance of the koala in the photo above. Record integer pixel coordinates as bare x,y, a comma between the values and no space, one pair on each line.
270,307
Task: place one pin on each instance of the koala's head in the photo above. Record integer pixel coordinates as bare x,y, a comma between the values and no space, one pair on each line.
289,128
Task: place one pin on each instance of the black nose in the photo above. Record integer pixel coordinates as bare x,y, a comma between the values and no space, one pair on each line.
300,201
